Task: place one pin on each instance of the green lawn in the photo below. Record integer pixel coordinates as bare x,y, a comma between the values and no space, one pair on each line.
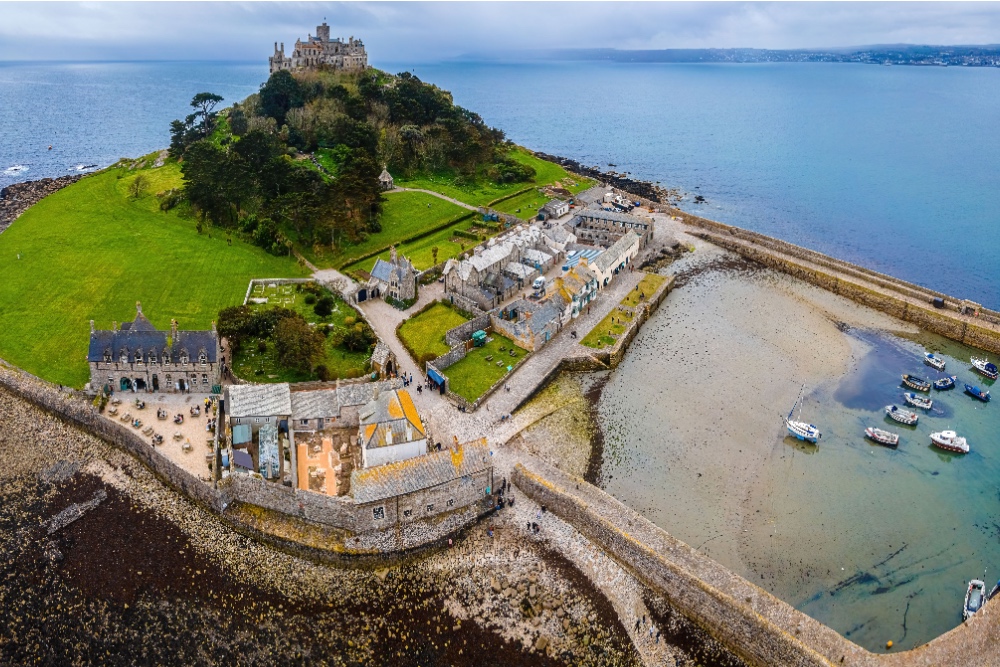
649,284
423,334
421,251
87,253
524,205
472,376
599,336
404,214
483,192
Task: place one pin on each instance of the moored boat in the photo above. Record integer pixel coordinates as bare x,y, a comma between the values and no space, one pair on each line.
976,392
918,401
913,382
934,361
945,383
800,429
950,441
887,438
901,415
974,595
985,367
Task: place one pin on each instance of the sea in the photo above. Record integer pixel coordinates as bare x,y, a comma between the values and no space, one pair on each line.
893,168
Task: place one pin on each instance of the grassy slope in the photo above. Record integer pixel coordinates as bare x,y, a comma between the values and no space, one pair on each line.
404,214
424,333
87,252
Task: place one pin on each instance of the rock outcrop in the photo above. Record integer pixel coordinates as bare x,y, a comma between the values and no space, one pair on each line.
17,198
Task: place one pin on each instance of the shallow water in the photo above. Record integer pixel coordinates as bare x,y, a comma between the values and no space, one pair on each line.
876,543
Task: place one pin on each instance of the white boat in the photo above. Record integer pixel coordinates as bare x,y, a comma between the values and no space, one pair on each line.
883,437
800,429
934,361
901,415
985,367
974,598
950,441
918,401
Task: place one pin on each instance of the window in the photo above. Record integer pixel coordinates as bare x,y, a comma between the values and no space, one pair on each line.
202,358
123,357
378,512
184,356
107,356
451,501
430,508
138,356
152,356
204,378
304,422
407,512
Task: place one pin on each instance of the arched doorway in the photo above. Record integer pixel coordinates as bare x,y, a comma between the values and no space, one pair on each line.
140,384
156,383
125,384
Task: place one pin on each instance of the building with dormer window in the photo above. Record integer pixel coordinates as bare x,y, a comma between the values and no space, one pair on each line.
137,356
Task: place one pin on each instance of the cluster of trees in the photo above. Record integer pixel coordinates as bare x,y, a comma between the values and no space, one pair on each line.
245,171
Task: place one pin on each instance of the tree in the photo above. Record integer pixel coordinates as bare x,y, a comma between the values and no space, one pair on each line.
359,338
324,306
434,255
204,105
137,187
238,123
299,347
281,93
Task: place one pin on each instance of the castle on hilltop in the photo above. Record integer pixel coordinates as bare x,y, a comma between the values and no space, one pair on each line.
320,51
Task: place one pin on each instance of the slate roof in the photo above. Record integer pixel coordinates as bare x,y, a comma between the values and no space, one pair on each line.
554,204
259,400
381,270
611,216
613,255
140,334
319,404
422,472
381,353
385,176
392,412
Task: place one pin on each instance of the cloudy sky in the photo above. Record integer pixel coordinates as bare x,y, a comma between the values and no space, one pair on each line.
424,32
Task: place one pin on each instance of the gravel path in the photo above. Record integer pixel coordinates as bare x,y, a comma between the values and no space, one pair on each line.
438,195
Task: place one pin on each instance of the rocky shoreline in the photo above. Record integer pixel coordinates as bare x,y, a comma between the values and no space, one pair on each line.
622,181
17,198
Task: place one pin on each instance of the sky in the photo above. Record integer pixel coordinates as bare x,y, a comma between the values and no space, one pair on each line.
427,32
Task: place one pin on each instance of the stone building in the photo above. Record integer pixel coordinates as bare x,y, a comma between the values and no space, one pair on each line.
394,280
385,180
607,265
258,417
139,357
390,430
384,361
321,51
595,226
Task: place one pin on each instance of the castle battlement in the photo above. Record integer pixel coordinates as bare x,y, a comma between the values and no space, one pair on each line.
318,51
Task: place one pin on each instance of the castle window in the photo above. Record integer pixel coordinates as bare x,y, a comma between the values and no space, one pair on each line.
430,508
407,512
204,378
152,356
184,357
107,356
202,358
378,513
138,356
123,357
451,501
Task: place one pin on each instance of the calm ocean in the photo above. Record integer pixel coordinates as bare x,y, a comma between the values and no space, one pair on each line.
895,168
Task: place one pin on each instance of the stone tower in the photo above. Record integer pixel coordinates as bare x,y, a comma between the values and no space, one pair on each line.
323,32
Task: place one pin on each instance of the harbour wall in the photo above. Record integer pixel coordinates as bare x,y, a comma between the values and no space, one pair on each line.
900,299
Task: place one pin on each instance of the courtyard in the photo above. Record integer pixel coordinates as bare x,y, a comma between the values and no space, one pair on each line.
423,334
483,367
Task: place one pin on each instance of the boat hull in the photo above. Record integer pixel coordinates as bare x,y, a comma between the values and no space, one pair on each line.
975,596
918,401
803,431
977,393
934,362
902,416
945,383
914,382
949,441
883,437
985,368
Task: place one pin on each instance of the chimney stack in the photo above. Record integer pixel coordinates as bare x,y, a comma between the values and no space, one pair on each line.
114,325
173,330
92,329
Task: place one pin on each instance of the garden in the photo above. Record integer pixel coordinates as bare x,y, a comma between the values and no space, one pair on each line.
483,367
423,334
296,333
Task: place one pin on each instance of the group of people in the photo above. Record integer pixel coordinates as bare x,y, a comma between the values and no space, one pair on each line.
642,622
501,502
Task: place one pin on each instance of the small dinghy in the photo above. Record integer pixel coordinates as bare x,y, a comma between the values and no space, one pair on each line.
974,598
976,392
901,415
887,438
918,401
934,361
799,429
913,382
945,383
985,367
950,441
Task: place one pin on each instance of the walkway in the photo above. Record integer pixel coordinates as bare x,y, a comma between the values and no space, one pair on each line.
436,194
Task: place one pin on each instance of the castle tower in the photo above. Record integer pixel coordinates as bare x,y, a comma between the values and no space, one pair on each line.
323,32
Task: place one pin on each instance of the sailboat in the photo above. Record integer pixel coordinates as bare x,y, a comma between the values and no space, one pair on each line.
800,429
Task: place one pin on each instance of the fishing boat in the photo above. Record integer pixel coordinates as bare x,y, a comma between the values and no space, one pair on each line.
945,383
901,415
973,598
934,361
887,438
799,429
950,441
985,367
918,401
976,392
913,382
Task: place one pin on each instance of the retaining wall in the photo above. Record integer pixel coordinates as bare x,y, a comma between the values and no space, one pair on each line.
463,332
946,322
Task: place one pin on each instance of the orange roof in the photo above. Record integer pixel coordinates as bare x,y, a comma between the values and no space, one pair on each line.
409,409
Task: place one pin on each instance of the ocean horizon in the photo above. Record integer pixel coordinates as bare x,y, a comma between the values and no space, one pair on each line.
892,168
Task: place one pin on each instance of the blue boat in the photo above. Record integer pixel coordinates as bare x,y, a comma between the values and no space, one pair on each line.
945,383
976,392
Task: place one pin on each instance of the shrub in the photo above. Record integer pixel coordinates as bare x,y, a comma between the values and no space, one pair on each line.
310,299
350,320
324,306
323,373
262,346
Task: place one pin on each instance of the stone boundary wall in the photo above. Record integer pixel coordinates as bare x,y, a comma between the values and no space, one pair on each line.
747,620
643,311
928,318
453,356
839,266
463,332
465,304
